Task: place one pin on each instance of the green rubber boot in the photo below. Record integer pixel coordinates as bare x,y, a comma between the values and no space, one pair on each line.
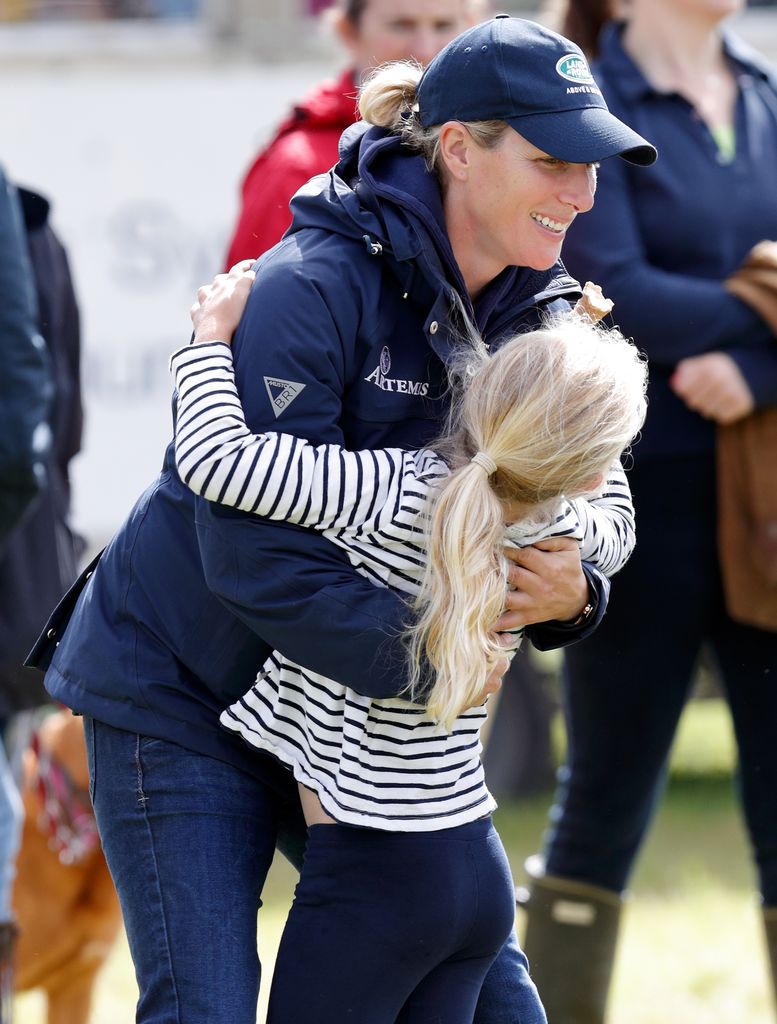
8,933
770,928
571,934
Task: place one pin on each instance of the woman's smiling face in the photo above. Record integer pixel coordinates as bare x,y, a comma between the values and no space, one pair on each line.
525,200
517,203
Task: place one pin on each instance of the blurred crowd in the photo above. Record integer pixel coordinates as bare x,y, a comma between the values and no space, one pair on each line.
52,10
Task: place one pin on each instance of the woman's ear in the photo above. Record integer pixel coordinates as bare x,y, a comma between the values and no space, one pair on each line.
455,148
346,31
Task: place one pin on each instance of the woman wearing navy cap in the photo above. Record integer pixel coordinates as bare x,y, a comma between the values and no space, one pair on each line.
451,212
662,245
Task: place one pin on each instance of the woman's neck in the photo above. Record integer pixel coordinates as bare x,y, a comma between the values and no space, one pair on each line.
476,271
680,50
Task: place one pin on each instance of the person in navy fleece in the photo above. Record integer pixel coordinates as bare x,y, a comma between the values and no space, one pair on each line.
661,244
451,207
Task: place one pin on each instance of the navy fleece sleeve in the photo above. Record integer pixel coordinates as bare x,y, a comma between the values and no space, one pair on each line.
547,636
759,368
290,585
301,595
672,314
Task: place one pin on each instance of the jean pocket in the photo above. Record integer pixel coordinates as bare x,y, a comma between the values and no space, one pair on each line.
90,754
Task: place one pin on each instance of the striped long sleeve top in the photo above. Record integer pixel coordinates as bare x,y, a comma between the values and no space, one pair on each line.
379,763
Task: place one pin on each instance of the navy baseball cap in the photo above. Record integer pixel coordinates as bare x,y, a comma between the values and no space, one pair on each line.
509,69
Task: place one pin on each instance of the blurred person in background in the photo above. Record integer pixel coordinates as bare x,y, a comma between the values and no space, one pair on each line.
25,391
374,32
40,557
662,246
25,384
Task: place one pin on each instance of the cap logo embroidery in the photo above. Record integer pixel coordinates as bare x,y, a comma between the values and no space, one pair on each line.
282,393
574,68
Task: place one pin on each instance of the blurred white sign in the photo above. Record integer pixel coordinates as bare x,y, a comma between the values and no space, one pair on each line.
142,161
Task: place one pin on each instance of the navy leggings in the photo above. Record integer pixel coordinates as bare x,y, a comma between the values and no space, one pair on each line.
626,686
393,928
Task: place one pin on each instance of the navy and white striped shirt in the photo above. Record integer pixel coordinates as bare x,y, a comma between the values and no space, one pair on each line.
380,763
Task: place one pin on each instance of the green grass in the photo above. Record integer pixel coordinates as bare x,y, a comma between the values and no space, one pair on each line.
691,950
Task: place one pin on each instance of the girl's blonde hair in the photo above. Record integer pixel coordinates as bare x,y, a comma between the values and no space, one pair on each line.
551,410
388,99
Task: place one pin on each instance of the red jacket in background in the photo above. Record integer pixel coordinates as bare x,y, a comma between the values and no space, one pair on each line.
304,145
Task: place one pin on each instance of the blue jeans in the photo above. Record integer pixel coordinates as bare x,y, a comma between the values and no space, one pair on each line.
625,687
189,841
11,823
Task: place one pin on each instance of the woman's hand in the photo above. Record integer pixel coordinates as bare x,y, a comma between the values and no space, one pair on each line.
713,386
546,583
220,305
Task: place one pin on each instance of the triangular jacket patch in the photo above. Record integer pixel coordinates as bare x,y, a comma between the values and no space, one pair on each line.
282,393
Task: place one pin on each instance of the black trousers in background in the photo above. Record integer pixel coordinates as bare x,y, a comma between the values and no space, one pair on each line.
626,686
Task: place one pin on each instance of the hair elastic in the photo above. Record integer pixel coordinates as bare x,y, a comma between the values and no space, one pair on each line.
484,460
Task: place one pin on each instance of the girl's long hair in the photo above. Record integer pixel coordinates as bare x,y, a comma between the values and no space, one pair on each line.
552,409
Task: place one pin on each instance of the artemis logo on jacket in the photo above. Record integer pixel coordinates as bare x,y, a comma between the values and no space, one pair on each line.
379,377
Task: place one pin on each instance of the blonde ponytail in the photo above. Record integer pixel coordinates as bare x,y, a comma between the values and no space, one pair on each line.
550,411
389,93
387,99
464,593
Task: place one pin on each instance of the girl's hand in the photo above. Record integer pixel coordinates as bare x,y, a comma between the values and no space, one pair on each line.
220,305
493,682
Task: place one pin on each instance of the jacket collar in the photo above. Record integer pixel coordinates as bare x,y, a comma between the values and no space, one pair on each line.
410,204
626,78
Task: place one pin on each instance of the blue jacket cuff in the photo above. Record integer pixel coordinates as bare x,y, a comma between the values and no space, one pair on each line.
548,636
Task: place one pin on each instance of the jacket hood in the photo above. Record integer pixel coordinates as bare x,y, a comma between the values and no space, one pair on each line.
382,194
